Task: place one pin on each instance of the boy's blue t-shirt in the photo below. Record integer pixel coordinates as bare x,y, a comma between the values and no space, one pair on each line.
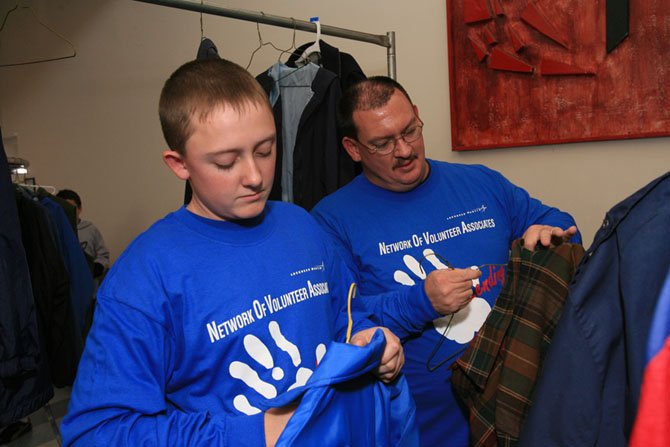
460,216
199,323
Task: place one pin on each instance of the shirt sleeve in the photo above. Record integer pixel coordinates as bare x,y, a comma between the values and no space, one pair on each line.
524,211
119,397
404,311
340,280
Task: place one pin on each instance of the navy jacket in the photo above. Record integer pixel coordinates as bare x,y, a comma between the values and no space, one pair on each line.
24,374
589,387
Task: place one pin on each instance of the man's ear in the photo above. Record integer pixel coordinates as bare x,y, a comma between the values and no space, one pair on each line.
176,163
352,148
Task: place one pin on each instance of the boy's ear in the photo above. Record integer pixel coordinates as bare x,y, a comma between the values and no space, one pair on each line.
352,148
176,163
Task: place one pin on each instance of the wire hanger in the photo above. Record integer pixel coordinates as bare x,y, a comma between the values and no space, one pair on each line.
430,366
315,48
60,36
202,28
292,48
261,44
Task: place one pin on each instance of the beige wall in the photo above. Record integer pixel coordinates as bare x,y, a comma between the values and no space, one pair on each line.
90,123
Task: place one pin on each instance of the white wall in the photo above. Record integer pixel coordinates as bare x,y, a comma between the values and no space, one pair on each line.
90,123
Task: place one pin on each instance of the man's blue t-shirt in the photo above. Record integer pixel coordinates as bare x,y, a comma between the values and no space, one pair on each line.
460,216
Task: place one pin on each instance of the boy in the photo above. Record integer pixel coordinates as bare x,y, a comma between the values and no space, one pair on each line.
220,305
90,237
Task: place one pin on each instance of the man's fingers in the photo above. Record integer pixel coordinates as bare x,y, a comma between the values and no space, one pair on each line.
529,243
469,274
450,290
457,275
559,236
569,232
547,236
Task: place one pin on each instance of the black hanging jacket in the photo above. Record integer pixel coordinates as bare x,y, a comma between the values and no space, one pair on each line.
24,381
320,163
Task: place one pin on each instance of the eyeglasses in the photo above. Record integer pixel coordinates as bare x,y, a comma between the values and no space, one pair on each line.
385,147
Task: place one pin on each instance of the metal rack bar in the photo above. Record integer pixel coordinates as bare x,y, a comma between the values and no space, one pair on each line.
387,41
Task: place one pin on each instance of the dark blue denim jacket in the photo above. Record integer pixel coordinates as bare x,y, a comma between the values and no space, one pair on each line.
589,387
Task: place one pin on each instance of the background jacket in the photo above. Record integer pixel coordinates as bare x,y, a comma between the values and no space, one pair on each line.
342,64
24,376
320,163
589,389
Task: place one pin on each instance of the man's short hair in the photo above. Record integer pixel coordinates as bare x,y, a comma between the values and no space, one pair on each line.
199,87
68,194
367,94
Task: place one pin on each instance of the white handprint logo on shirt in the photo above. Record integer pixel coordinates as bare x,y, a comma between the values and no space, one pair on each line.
259,352
467,321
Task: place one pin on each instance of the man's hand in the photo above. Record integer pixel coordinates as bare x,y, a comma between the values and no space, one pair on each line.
546,235
450,290
393,357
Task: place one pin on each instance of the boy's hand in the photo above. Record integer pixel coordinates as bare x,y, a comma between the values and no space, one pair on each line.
275,421
393,357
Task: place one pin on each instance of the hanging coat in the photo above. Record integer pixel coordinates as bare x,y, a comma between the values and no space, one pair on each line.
319,165
589,388
51,290
81,281
343,65
24,379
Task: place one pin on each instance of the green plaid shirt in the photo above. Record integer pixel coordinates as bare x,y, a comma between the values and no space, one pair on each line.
495,376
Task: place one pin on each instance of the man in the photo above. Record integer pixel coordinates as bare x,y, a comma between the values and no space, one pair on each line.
434,231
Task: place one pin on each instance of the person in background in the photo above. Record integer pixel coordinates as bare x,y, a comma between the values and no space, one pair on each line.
222,305
439,233
90,238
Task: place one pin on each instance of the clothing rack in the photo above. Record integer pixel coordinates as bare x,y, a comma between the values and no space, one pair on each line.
18,169
16,163
387,41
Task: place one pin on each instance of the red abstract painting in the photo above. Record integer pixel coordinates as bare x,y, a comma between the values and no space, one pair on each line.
526,73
